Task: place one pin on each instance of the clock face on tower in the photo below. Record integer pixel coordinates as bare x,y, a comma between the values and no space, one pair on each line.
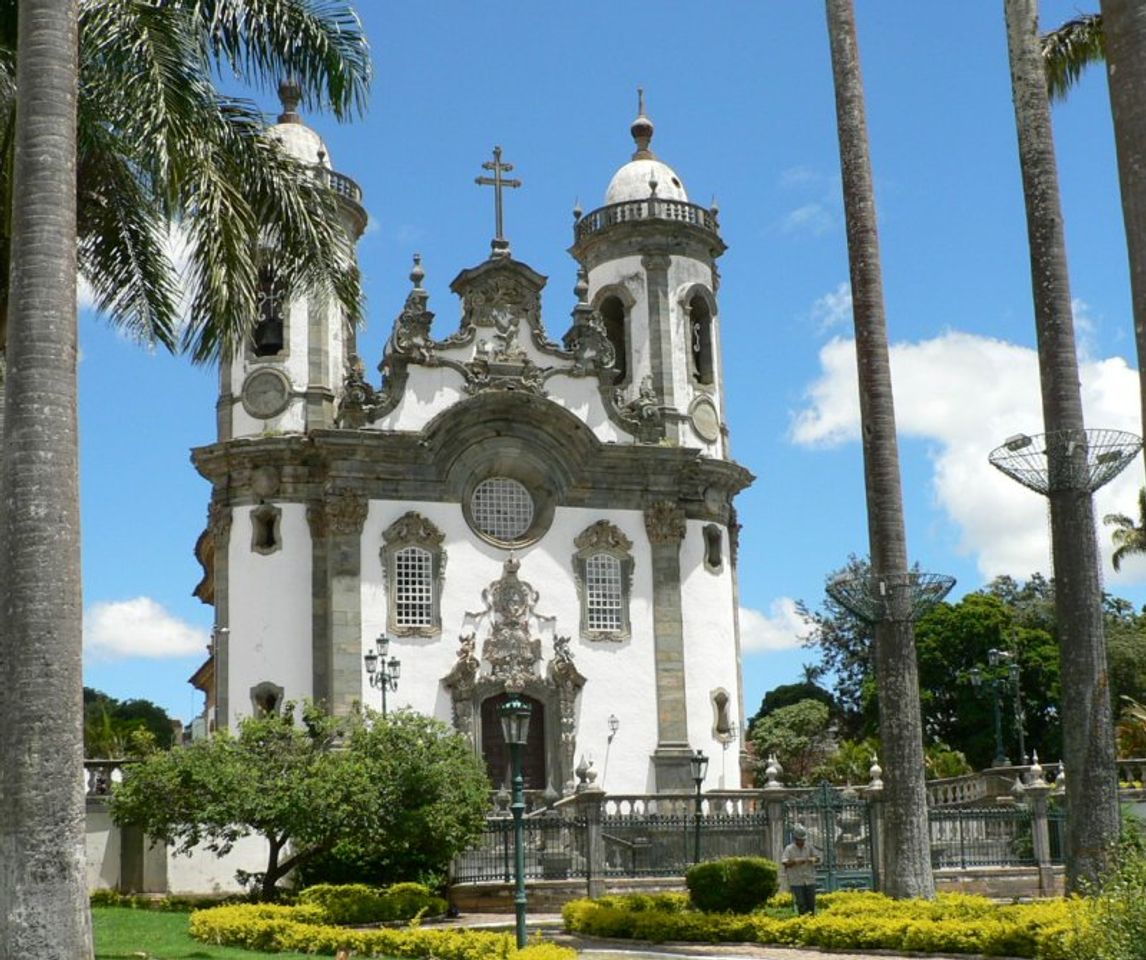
265,394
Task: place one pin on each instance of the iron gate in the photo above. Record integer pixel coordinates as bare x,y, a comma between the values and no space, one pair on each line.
839,826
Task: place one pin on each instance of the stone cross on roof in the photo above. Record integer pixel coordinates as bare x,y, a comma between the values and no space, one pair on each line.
499,244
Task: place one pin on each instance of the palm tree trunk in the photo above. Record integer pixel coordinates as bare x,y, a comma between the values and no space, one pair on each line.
1088,728
907,848
1124,26
43,882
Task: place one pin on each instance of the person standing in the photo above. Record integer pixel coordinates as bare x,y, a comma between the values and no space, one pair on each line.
799,860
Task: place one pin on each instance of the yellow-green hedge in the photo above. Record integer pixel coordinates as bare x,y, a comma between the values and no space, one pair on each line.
952,923
274,928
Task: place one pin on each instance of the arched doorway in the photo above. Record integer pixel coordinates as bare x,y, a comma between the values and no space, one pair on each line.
496,752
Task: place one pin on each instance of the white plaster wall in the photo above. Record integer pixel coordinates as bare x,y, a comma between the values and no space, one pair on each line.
270,611
620,676
707,601
102,848
202,872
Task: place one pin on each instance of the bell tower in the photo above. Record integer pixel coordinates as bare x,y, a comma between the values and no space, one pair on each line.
285,379
651,258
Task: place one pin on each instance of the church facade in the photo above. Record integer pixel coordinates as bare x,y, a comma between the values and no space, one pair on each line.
517,514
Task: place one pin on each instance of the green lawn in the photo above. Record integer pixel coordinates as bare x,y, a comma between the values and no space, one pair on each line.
125,934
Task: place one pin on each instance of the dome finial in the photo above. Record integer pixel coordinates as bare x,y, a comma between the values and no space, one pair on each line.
642,129
290,95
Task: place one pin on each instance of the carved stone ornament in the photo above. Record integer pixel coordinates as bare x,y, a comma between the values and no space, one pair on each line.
588,342
643,413
461,681
664,522
603,535
511,657
413,528
411,335
501,302
511,652
358,399
345,512
484,373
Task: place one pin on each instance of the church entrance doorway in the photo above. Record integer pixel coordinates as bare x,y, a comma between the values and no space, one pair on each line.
496,753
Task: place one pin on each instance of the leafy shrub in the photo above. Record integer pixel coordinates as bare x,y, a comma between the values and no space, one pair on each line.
1116,924
952,923
357,903
734,884
273,928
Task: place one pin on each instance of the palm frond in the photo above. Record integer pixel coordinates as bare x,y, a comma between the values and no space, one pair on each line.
1069,50
318,43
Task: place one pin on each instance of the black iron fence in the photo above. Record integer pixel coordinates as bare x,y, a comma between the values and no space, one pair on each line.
981,837
554,850
667,844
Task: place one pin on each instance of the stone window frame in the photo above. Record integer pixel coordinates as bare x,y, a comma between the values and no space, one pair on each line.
536,484
712,536
264,517
685,298
723,725
619,291
261,690
412,529
606,538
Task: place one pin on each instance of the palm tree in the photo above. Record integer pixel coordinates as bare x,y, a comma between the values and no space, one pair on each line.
1118,36
1130,537
159,145
1069,49
43,884
1088,741
97,178
907,864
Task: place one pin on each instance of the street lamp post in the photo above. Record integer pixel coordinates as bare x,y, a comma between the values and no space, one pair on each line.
382,673
994,682
515,713
698,766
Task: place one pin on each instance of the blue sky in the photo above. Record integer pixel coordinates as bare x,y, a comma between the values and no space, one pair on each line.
741,96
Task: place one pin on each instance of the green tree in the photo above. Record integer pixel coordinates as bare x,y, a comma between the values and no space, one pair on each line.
1129,537
112,727
1088,729
1069,49
798,735
404,788
43,881
787,694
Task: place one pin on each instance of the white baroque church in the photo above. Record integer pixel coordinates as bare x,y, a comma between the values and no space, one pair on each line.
517,514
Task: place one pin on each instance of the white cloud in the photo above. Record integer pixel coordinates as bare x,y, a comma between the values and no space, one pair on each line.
833,309
139,628
780,629
966,394
813,218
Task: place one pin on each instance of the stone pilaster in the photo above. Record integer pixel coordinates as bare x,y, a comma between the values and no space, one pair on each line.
319,390
219,525
661,353
665,526
336,531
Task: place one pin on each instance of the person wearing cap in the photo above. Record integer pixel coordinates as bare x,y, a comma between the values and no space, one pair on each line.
799,860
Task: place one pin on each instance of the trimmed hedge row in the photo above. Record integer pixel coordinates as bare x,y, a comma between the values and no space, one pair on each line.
357,903
274,928
953,923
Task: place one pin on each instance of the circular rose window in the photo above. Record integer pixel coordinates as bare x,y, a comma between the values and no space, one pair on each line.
501,508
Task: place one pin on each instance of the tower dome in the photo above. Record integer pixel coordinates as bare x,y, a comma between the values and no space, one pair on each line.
644,174
300,141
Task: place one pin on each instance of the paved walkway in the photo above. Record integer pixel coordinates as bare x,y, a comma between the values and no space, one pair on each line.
600,949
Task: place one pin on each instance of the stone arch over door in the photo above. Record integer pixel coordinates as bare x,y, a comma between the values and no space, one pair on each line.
495,751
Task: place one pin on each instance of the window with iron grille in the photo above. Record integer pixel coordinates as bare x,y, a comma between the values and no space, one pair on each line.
502,508
604,597
414,587
414,563
603,571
